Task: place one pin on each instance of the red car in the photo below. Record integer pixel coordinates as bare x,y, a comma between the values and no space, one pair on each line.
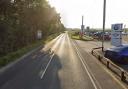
107,37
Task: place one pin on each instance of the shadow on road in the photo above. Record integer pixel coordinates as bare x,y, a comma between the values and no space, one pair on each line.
51,78
25,75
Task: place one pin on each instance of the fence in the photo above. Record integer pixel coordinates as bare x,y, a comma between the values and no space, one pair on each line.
110,65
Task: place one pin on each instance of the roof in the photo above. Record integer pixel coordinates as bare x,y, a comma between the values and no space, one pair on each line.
119,48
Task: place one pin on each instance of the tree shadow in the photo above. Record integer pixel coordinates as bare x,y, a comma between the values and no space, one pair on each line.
50,79
29,76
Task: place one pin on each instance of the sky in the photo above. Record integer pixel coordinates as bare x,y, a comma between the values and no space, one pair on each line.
71,12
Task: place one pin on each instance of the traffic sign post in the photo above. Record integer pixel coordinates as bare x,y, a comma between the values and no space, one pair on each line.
82,27
87,30
39,34
116,34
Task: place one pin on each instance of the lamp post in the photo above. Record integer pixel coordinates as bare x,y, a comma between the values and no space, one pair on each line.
82,27
104,16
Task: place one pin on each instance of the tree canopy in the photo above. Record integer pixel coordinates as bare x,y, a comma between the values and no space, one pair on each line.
21,19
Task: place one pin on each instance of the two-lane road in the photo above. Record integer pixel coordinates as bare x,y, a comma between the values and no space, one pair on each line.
66,67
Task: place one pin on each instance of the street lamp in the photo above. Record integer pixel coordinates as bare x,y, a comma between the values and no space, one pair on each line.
104,16
82,27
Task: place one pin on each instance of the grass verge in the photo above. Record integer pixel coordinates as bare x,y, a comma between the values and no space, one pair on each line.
84,38
75,35
17,54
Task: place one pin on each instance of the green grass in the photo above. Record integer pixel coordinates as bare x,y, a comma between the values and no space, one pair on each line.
17,54
84,38
87,38
75,36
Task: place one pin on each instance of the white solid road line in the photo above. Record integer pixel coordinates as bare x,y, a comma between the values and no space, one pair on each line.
111,74
47,66
85,67
52,49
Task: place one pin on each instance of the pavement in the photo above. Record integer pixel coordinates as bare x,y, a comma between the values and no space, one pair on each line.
68,65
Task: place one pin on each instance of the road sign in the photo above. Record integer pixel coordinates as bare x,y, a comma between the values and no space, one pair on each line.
116,34
82,27
82,30
117,27
87,30
39,34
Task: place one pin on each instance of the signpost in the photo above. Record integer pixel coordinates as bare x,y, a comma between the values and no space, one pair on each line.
39,34
87,30
116,34
82,28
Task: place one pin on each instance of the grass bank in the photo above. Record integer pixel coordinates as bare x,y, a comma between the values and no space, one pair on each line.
84,38
17,54
75,35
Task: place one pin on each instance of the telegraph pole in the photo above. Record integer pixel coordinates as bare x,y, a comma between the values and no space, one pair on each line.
82,20
82,26
104,16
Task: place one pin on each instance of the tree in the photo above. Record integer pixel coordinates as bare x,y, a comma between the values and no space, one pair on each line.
20,20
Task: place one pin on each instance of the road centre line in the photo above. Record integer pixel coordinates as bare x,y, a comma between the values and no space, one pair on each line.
91,76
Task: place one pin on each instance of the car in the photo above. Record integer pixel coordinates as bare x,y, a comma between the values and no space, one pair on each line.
117,54
107,37
99,36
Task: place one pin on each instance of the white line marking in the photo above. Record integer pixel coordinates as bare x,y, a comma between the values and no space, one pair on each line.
111,74
85,67
47,66
119,82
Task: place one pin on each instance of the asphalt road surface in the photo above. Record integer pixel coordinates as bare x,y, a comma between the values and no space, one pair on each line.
65,66
93,44
88,46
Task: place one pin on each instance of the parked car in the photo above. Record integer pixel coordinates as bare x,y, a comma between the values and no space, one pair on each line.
107,37
118,54
99,36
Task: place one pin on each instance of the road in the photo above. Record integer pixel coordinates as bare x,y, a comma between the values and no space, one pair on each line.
94,44
66,66
88,46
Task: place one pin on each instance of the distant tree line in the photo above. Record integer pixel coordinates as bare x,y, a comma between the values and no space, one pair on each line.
20,20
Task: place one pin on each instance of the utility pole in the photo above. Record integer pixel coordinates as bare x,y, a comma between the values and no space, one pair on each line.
82,20
104,16
82,26
125,31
